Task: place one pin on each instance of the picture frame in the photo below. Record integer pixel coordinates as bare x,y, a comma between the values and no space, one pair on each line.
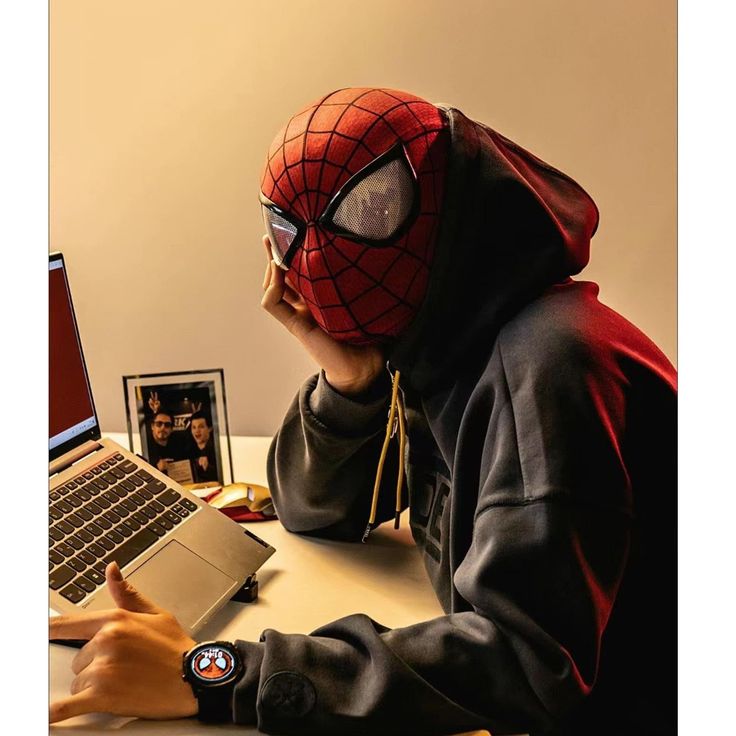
177,421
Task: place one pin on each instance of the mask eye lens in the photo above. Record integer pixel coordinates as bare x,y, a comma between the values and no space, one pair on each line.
378,205
281,233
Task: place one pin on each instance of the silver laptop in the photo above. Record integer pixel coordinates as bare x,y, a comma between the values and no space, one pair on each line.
106,504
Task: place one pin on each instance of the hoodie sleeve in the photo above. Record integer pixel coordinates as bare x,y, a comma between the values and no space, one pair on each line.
322,462
540,574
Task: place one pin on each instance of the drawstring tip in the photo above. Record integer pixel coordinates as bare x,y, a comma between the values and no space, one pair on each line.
366,533
396,519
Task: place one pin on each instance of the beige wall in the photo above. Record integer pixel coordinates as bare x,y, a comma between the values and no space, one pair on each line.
162,111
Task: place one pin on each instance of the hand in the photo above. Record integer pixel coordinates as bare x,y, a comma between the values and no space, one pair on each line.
350,369
153,402
203,463
132,663
163,464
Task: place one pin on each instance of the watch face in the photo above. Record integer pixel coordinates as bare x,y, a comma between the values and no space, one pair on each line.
212,664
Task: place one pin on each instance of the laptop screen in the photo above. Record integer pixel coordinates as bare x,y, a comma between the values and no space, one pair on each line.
72,417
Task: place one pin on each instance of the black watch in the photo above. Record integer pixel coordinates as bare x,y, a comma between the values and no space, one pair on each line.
213,668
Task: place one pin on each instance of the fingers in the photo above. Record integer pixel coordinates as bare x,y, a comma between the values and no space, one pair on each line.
74,705
84,656
273,301
80,625
124,594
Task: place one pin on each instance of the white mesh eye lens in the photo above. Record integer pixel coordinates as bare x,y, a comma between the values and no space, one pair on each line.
281,233
204,663
377,206
221,662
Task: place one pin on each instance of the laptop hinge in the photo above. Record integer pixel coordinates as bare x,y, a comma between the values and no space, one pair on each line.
73,456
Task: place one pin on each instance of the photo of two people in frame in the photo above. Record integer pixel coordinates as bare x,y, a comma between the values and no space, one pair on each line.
177,434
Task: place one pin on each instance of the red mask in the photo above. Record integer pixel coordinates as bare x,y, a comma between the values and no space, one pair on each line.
351,198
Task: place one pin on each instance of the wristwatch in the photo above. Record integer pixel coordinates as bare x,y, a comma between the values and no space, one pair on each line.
213,668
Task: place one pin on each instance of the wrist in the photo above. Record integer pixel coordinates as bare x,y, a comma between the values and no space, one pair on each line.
354,385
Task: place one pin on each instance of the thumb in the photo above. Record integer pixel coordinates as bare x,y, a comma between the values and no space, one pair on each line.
124,594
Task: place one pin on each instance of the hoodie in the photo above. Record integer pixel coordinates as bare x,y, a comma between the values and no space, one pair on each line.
541,483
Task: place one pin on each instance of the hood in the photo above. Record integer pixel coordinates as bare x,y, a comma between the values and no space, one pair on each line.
512,225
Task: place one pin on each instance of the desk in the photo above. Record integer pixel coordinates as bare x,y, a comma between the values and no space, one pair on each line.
306,583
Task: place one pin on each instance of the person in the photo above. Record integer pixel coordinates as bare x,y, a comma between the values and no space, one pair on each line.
162,450
425,262
202,452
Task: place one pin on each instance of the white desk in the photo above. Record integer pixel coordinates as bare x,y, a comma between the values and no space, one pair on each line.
305,584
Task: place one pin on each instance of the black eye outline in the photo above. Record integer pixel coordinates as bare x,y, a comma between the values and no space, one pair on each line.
301,229
396,152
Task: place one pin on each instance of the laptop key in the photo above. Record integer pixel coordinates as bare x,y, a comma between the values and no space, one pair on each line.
106,543
92,528
72,541
187,504
145,493
54,496
127,485
110,478
77,564
82,494
172,517
150,513
91,488
124,530
103,522
55,514
60,576
164,522
156,506
96,471
73,593
110,496
155,486
118,456
64,549
85,536
157,529
137,499
83,513
135,480
180,510
103,502
94,508
111,461
95,577
133,547
140,518
128,504
127,467
144,474
100,567
168,497
104,465
74,520
117,473
111,516
56,534
72,484
63,507
85,583
88,475
132,524
120,510
100,483
55,557
74,501
64,526
114,537
96,550
87,557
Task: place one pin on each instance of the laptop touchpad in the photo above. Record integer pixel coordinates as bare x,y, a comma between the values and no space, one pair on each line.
178,580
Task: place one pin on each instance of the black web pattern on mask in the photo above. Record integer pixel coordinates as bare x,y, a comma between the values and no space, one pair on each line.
318,196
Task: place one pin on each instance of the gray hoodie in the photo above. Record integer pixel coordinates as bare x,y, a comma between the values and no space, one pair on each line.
541,481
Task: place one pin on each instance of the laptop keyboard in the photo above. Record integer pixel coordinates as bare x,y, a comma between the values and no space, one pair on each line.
111,512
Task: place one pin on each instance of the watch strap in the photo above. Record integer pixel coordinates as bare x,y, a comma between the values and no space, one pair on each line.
216,703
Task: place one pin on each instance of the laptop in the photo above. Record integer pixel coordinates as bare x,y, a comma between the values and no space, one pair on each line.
105,504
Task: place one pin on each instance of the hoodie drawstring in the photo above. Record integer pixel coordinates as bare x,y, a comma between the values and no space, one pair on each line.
396,414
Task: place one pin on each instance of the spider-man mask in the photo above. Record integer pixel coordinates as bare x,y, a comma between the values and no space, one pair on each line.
351,198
